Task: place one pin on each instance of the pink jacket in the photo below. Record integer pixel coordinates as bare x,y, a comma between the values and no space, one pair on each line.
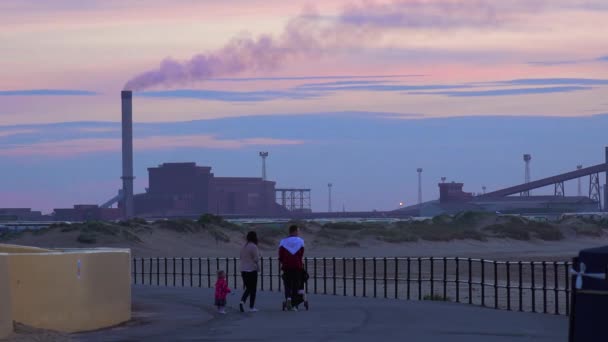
221,289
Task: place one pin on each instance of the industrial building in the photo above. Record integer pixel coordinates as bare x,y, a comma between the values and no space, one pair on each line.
185,189
20,214
87,212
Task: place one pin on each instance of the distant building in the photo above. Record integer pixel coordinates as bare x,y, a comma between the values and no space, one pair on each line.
86,212
185,189
452,200
20,214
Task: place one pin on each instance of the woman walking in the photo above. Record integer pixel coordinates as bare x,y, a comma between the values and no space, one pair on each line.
250,259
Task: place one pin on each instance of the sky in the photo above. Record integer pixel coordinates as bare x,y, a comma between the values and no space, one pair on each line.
357,93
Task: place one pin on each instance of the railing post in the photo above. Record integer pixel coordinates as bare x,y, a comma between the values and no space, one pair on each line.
364,277
271,278
508,265
208,273
375,280
567,286
200,271
555,284
520,285
470,281
445,278
483,282
150,273
157,271
191,280
182,262
432,276
495,285
354,277
314,260
344,276
262,273
306,268
235,273
227,269
408,278
166,272
324,275
174,274
457,260
143,270
544,287
279,275
419,278
385,280
135,271
396,278
533,286
333,260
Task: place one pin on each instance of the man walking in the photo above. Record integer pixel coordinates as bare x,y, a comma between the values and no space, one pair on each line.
291,252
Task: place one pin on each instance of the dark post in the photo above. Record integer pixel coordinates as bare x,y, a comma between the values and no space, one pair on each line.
457,280
333,260
533,286
567,286
396,278
324,276
470,282
544,287
385,280
166,271
270,268
508,265
364,278
208,273
143,281
407,278
445,278
432,276
520,286
419,278
174,271
191,280
314,260
495,285
354,277
157,271
375,286
483,282
200,271
279,274
135,271
183,272
555,287
344,276
235,273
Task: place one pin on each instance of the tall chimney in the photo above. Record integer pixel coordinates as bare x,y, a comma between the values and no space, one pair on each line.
127,152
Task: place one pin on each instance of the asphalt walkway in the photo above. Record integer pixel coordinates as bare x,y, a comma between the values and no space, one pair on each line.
187,314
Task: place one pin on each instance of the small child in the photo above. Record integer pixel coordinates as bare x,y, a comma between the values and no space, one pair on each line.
221,291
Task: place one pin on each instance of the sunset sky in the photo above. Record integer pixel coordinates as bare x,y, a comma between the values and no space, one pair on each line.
359,93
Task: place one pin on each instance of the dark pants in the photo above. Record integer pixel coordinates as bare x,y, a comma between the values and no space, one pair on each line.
292,279
250,279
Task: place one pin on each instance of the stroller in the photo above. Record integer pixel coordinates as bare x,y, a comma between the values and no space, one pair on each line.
301,296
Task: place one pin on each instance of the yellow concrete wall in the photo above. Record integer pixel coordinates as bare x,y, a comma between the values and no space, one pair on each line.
48,291
6,315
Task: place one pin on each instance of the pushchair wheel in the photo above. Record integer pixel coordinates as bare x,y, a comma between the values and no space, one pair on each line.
284,306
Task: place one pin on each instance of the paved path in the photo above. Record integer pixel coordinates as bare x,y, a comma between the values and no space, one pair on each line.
185,314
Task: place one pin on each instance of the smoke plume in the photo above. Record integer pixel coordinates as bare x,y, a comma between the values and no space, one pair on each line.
311,35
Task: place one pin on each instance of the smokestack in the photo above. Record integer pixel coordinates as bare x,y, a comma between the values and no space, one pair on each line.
127,152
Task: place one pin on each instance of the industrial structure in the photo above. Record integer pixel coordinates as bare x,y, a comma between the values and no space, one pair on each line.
293,199
127,152
453,199
329,186
264,155
419,170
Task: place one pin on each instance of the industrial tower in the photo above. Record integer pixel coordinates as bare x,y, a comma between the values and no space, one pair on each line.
527,159
329,186
264,155
580,188
127,153
419,185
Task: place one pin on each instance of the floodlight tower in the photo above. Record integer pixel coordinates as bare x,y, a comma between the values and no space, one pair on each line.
264,155
329,186
527,159
484,189
580,187
419,170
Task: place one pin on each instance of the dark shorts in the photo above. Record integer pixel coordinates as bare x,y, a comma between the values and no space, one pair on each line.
220,302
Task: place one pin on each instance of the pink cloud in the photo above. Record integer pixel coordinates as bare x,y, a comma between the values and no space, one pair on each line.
17,132
67,148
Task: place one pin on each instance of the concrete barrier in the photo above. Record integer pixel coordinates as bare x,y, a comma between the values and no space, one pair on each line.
6,315
70,290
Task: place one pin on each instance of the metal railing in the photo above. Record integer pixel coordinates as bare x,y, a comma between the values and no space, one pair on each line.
528,286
